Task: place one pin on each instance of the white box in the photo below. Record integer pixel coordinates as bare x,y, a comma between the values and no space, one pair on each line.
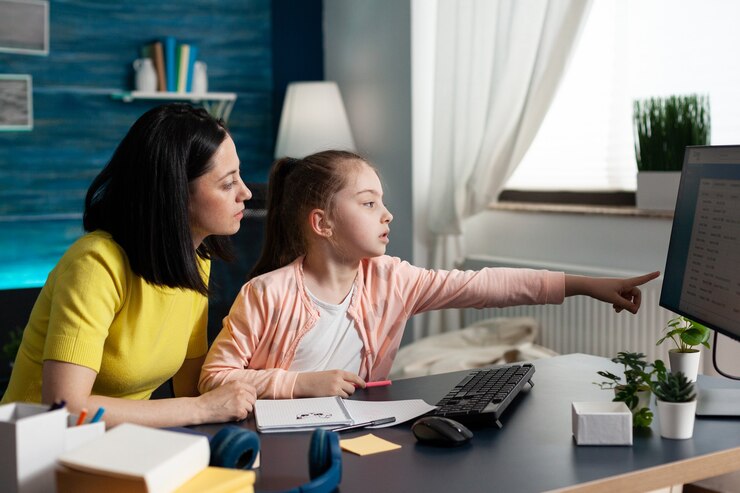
74,436
32,437
602,423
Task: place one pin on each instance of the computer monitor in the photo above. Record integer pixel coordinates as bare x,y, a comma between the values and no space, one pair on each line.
702,273
701,280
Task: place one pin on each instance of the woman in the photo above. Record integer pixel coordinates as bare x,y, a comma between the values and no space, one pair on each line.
125,308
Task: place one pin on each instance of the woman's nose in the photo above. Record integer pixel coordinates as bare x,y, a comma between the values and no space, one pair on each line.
246,193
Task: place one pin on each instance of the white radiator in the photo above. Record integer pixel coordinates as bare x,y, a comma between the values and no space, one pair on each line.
582,324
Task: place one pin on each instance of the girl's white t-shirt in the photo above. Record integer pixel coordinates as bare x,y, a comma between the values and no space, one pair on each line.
333,343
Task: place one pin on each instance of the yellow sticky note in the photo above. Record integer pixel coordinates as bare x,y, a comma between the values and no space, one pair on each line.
367,444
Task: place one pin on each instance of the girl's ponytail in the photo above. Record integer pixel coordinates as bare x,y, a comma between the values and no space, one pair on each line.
277,248
296,187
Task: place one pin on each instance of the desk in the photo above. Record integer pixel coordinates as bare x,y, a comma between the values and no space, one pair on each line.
534,451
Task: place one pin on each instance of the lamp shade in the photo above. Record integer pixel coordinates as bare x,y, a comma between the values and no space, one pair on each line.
313,119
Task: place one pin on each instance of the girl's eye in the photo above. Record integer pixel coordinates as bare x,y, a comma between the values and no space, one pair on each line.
369,204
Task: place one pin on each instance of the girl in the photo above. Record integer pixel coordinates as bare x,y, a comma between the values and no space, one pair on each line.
125,308
325,308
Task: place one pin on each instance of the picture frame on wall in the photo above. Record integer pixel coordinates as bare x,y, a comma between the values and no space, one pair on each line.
24,27
16,102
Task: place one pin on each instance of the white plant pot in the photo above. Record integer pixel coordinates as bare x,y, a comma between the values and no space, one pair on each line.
657,190
688,363
676,419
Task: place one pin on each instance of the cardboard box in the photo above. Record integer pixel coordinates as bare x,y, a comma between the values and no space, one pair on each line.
602,423
32,437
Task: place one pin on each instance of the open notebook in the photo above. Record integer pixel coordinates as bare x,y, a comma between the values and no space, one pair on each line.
331,412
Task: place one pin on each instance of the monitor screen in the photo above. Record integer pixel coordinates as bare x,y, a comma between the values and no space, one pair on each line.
702,274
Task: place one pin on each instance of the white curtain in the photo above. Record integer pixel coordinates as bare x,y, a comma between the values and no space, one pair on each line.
497,67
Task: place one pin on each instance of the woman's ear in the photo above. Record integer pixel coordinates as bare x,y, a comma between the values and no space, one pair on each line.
320,223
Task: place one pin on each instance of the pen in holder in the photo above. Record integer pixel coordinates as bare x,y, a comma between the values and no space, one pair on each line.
76,435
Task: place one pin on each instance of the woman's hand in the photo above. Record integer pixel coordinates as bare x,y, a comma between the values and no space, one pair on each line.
326,383
232,401
623,294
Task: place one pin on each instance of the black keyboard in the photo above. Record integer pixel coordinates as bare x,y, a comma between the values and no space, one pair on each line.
482,396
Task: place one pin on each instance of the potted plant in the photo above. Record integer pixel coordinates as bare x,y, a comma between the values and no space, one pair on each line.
686,335
635,389
10,347
676,401
663,128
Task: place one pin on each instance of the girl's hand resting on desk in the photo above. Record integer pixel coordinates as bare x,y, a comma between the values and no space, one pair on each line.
623,294
232,401
326,383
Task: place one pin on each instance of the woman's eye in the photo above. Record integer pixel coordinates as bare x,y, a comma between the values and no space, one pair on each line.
230,185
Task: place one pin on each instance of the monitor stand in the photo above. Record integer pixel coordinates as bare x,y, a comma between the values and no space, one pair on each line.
718,402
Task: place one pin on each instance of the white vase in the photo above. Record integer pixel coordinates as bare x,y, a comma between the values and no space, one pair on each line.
200,78
688,363
657,190
676,419
146,77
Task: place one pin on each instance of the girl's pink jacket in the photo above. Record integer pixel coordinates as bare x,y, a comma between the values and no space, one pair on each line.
273,312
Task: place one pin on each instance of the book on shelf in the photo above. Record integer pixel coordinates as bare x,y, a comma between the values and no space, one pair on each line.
133,458
158,60
170,61
183,60
191,64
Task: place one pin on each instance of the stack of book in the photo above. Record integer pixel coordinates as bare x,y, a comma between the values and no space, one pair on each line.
173,62
137,459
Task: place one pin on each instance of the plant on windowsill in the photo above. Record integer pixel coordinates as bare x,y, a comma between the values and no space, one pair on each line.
663,128
686,335
637,385
676,402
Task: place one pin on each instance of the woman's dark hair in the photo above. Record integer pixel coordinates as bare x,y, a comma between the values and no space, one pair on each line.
297,186
141,196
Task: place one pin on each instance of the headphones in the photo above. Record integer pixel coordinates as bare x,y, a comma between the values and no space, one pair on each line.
237,448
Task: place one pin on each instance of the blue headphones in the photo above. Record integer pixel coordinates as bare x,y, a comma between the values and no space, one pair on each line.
237,448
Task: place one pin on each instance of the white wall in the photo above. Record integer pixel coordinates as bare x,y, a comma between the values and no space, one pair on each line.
612,243
367,49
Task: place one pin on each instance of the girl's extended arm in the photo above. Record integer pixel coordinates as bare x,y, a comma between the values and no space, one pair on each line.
623,294
73,383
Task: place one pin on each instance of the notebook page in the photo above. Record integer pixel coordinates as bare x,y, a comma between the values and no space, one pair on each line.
364,411
300,413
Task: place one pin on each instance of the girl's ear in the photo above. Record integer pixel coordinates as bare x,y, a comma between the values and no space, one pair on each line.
320,223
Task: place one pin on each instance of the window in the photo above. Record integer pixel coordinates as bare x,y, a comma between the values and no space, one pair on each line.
632,49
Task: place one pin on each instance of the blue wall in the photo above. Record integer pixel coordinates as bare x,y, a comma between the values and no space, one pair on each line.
44,173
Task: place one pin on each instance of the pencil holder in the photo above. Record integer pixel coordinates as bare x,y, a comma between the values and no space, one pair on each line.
74,435
32,437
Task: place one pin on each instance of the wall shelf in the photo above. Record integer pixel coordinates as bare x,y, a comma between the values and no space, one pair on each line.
218,104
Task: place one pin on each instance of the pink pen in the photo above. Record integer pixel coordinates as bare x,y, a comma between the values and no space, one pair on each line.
379,383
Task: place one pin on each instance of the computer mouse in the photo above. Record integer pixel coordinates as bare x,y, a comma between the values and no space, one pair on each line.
439,431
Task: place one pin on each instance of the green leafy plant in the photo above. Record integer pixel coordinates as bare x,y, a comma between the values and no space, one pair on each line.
10,348
686,334
665,126
674,387
638,377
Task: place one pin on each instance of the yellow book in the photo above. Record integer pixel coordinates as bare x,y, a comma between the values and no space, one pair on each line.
219,480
